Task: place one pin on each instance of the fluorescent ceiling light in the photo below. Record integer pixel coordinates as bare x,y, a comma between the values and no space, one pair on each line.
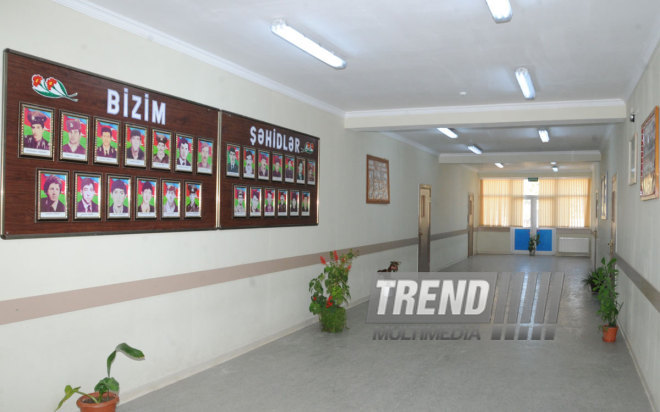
307,45
543,134
500,165
553,163
555,169
500,10
525,82
447,132
474,149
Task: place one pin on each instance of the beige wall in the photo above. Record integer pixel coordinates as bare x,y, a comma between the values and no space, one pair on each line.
187,330
638,225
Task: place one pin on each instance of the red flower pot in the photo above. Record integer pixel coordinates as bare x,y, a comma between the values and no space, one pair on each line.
109,404
609,333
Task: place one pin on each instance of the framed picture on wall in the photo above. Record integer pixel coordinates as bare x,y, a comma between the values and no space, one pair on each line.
119,197
269,202
106,141
632,160
249,156
233,160
648,184
88,196
193,199
74,137
282,201
240,196
36,131
603,197
305,203
311,172
378,180
300,170
184,153
161,147
255,201
204,156
278,160
294,205
264,165
146,201
289,168
171,190
134,142
52,194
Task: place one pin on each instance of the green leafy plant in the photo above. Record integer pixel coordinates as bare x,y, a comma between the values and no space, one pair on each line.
591,279
107,384
333,281
605,278
534,241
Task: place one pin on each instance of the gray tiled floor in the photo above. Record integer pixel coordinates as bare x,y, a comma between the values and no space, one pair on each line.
311,370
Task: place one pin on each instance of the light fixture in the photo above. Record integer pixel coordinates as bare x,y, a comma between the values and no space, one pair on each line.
293,36
500,165
553,163
500,10
474,149
555,169
525,82
447,132
544,135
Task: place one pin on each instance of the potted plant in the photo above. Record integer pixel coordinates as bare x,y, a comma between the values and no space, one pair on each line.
608,298
106,397
333,281
534,241
591,280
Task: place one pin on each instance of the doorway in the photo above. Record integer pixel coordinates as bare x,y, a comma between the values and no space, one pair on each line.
424,226
470,224
613,218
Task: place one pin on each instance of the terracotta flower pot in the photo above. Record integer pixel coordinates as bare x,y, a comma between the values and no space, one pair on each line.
109,404
609,333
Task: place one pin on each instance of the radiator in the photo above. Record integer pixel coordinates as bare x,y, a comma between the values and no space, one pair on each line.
578,245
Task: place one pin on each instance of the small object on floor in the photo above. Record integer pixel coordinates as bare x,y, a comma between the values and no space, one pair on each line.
394,267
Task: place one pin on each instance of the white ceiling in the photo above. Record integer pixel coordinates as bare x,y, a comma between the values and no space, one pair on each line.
409,60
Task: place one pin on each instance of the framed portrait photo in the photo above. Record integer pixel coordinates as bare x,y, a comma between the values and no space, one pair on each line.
36,131
184,155
52,195
134,142
289,169
161,148
193,200
171,190
300,170
648,183
294,204
282,202
106,141
269,202
119,197
88,196
311,172
146,200
205,156
255,201
632,160
249,156
278,163
240,199
233,167
305,203
74,137
378,180
263,171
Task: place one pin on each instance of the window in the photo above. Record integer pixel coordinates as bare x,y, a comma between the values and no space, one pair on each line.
549,202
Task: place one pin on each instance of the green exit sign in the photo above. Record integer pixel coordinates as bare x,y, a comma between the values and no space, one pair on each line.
532,179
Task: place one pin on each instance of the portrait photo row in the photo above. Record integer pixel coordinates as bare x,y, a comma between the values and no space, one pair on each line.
82,196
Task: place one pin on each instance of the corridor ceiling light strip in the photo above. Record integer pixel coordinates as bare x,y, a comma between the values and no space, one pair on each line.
293,36
447,132
544,135
555,169
500,10
525,83
500,165
474,149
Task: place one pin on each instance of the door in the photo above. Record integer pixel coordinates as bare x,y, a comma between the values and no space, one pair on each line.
424,223
613,218
470,224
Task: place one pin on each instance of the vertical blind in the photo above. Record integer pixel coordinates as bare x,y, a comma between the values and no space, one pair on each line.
562,202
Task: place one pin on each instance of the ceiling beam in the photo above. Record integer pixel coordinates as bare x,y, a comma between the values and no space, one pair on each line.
499,115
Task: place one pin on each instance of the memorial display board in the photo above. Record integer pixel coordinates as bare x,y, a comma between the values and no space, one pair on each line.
84,154
269,174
